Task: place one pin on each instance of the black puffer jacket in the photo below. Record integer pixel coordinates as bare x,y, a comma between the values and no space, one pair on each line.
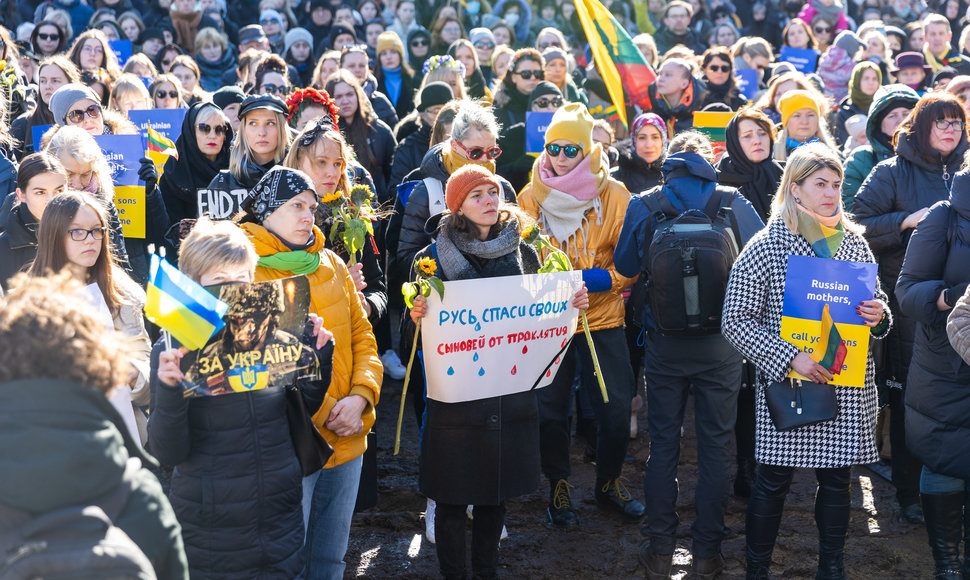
380,140
236,487
406,235
409,154
894,189
485,451
636,174
937,405
18,244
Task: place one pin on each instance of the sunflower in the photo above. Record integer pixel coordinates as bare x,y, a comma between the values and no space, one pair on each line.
331,197
428,266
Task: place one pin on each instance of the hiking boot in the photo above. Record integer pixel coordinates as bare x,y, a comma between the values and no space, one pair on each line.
613,494
707,568
561,514
912,514
657,565
758,571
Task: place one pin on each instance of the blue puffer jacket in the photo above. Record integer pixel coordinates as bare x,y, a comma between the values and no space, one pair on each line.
937,405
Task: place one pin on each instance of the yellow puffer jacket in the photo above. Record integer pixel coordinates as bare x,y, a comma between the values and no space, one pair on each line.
357,369
605,308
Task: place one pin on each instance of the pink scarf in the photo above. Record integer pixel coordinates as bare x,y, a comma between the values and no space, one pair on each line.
580,183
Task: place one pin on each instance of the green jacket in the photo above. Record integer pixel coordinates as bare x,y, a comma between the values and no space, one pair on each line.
62,444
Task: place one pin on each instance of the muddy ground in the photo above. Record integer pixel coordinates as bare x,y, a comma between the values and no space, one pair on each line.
388,541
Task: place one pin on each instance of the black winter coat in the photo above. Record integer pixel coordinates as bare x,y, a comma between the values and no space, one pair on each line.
894,189
937,405
237,484
408,155
486,451
636,174
405,101
379,101
18,244
380,140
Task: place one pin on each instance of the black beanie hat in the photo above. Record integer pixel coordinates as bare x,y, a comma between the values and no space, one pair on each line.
542,89
434,94
228,95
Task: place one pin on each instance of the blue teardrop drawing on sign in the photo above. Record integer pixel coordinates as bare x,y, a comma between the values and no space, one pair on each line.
451,370
478,326
475,358
481,372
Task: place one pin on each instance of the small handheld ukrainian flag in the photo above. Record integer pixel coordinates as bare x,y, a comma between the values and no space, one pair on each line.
180,306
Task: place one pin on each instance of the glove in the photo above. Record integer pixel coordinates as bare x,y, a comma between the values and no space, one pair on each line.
597,280
954,293
148,174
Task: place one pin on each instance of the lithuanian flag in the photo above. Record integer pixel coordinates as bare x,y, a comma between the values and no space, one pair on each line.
713,124
619,61
833,355
160,148
179,305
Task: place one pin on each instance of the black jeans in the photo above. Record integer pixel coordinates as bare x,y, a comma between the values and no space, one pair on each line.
906,468
768,501
612,419
449,527
711,368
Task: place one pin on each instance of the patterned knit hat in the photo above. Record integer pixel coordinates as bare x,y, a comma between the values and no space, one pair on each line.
652,119
278,186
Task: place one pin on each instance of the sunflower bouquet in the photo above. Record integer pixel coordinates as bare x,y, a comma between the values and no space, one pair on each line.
425,281
556,260
352,219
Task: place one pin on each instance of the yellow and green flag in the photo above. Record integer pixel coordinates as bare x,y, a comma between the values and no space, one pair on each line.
835,351
180,306
160,148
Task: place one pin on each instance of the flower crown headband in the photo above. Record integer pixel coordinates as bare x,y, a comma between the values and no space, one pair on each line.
443,60
531,53
302,98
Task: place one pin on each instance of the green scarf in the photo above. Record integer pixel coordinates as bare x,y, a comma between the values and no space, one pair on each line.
859,98
824,240
298,262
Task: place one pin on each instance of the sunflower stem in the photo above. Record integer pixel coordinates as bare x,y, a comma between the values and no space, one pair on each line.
596,360
404,390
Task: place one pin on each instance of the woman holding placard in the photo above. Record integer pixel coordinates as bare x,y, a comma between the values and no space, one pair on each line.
465,458
932,281
806,220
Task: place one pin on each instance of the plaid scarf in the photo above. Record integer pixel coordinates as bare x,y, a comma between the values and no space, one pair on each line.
824,234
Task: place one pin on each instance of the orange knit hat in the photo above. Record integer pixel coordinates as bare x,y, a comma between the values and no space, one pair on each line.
463,181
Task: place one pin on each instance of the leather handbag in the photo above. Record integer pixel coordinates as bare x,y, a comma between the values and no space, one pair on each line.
312,450
794,403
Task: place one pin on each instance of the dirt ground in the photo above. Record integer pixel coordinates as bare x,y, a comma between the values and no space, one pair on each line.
388,541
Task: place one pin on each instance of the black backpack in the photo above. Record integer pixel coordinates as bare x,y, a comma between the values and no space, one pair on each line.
684,271
75,542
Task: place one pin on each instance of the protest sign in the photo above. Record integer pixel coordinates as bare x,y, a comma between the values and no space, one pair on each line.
803,59
260,346
168,122
122,49
124,153
535,131
497,336
36,134
747,81
811,285
219,204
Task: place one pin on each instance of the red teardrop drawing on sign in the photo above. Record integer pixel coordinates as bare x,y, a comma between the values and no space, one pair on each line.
525,349
513,369
549,373
558,359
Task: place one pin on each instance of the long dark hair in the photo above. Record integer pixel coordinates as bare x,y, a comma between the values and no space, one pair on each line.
37,164
51,253
357,129
919,123
812,41
721,53
61,43
41,113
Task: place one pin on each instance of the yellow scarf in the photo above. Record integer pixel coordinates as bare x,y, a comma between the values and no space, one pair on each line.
453,162
932,59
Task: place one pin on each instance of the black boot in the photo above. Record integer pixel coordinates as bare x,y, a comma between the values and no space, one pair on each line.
765,507
561,514
757,570
944,527
614,495
832,518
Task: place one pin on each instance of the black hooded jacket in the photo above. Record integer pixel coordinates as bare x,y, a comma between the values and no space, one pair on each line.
636,174
757,182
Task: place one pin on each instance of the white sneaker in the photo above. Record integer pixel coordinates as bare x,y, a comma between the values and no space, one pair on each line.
392,365
505,534
429,521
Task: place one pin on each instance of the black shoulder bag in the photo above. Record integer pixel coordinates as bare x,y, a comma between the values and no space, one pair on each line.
794,403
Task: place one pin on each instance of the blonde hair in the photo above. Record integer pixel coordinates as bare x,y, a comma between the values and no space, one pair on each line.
804,162
209,35
127,85
75,143
213,244
241,152
140,59
444,74
299,152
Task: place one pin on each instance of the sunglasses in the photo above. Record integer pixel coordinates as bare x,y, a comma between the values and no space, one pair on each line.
166,61
419,42
45,36
77,116
266,21
271,89
543,102
162,94
545,45
476,153
528,74
219,130
570,151
720,68
81,234
943,124
484,45
822,29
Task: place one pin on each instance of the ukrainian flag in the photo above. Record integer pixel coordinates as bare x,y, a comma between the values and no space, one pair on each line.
181,306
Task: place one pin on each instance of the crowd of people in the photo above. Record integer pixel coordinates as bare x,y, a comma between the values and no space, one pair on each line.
846,141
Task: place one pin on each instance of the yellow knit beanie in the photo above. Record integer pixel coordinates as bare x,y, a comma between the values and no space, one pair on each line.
389,40
795,101
573,123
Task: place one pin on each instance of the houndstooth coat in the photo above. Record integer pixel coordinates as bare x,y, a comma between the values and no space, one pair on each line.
752,323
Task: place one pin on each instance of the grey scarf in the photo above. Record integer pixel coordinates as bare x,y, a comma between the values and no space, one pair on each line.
452,248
